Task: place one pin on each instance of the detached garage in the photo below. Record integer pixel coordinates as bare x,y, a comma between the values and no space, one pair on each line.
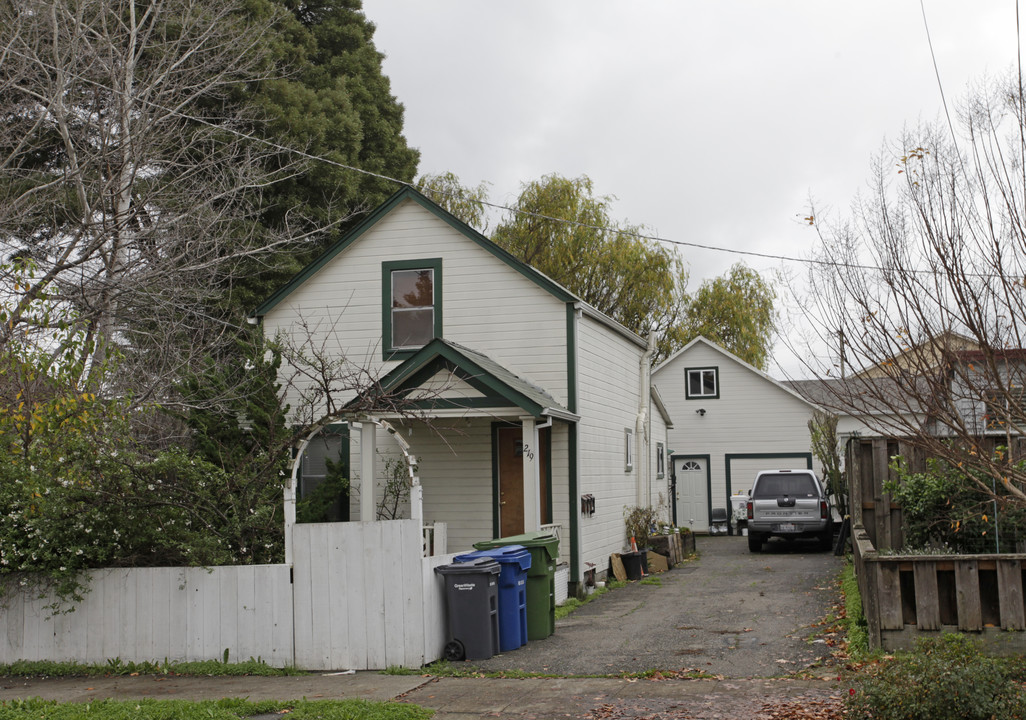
730,421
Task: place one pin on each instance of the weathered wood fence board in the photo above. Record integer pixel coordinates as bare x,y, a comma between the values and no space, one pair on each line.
155,613
360,596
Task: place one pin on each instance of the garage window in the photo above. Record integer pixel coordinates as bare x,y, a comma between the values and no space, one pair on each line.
702,383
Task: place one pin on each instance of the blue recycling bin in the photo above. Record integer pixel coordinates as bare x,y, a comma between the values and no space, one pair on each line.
514,562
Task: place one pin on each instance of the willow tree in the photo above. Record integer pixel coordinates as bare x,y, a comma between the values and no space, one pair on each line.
559,226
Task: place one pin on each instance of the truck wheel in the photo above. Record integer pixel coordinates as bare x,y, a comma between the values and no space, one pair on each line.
754,542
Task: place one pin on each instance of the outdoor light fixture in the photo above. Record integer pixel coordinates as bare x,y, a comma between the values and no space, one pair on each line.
701,411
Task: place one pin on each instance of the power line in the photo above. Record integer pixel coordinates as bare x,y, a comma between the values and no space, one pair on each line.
335,163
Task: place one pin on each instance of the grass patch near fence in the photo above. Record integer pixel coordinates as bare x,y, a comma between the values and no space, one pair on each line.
231,709
117,667
854,619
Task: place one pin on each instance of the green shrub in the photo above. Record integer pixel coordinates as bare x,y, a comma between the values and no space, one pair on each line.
944,677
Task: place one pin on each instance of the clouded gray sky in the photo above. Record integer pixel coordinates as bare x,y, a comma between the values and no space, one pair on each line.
712,122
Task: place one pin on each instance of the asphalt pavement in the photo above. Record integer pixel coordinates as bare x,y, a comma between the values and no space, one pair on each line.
750,623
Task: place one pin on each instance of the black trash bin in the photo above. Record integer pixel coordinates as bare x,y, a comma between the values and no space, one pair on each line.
635,564
472,597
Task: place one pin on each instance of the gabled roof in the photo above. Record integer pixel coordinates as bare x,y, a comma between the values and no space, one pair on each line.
409,193
498,386
731,356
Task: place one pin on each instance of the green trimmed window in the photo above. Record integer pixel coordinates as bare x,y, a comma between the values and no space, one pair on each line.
411,305
702,383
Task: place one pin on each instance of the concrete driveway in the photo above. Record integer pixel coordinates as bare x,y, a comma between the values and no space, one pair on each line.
730,613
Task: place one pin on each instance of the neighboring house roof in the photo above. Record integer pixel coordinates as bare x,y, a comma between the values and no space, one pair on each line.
409,193
923,356
498,386
726,353
860,395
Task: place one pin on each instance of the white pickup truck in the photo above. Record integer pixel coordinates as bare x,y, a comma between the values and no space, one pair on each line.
788,504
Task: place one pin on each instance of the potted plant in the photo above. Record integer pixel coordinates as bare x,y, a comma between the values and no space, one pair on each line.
639,521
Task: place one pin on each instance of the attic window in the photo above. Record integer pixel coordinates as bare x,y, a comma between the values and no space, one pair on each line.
702,383
412,312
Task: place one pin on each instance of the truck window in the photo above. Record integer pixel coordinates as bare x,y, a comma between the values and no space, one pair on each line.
777,485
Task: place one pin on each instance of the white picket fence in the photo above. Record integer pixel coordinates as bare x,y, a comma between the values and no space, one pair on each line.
361,596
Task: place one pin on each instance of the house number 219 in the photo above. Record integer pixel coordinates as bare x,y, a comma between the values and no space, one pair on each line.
528,452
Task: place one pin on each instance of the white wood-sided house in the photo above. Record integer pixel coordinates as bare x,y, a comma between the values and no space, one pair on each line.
534,408
730,421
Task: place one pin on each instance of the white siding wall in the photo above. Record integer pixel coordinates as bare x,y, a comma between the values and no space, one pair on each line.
751,415
609,378
487,305
659,487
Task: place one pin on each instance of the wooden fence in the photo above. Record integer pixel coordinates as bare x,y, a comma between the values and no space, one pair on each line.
361,596
910,596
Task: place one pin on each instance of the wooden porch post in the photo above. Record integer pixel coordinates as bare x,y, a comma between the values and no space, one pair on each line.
368,440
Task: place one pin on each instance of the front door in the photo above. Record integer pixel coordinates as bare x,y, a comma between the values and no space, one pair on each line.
692,492
511,478
511,481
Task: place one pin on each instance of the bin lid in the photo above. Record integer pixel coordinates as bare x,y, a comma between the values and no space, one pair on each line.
475,566
505,555
529,540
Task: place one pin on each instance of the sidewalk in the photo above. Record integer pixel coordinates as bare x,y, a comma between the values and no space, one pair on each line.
455,698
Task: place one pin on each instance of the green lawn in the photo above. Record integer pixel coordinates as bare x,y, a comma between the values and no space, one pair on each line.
232,709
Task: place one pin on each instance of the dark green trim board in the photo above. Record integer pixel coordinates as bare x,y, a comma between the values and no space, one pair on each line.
387,268
495,476
575,505
574,498
408,193
571,358
729,457
548,475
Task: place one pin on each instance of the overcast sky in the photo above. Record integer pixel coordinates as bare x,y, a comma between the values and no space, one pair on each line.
711,122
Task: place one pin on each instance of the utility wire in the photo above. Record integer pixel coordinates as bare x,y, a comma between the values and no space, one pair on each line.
334,163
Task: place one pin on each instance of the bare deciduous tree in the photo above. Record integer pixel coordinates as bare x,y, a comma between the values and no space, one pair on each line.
923,291
127,180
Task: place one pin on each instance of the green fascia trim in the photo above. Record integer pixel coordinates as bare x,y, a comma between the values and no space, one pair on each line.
575,505
424,363
387,351
687,386
548,476
571,358
408,193
729,457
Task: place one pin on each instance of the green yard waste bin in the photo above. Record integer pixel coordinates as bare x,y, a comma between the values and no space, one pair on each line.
541,579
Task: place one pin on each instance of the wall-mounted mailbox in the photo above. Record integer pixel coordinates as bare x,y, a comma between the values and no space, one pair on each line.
587,505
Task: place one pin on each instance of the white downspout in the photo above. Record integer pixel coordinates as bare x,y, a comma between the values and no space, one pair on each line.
641,424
